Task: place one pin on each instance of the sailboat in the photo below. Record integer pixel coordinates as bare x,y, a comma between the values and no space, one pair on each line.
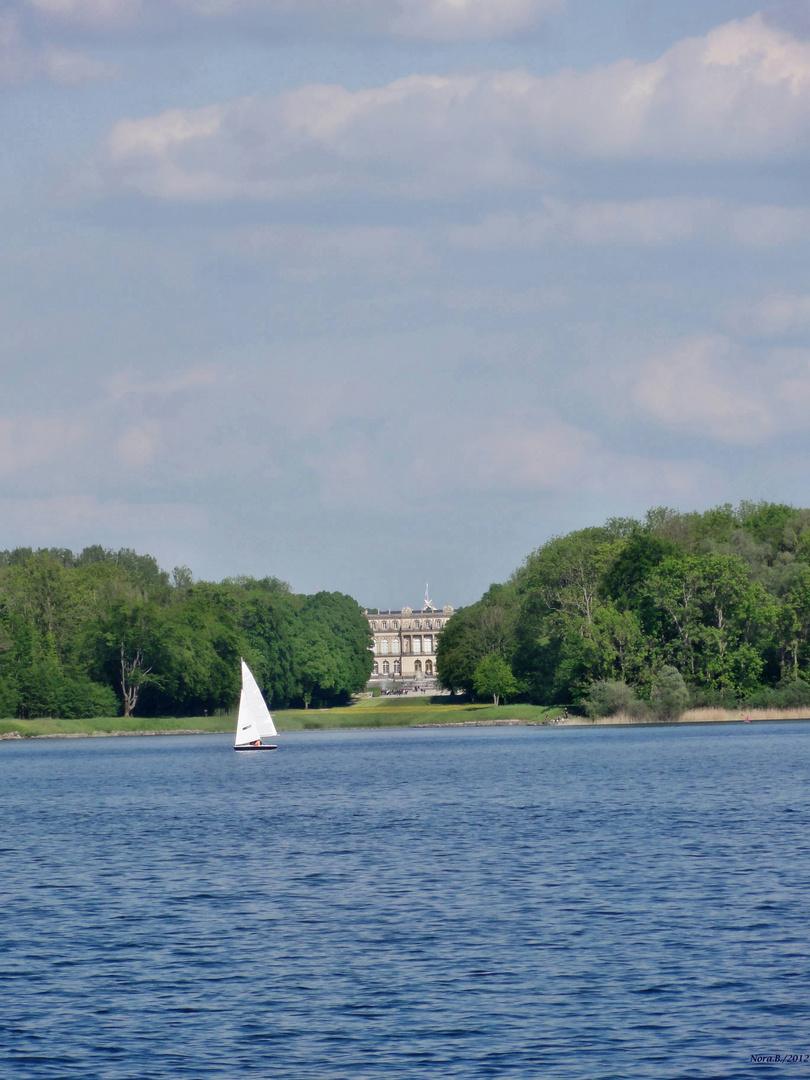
254,722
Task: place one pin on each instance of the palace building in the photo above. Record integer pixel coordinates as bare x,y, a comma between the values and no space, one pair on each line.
405,642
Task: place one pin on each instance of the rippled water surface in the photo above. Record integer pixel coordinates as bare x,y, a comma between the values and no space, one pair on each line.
444,903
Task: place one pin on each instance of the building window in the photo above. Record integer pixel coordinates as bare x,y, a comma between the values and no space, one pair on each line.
428,624
397,667
376,669
385,667
395,645
417,667
396,625
417,624
384,625
428,667
417,644
384,646
428,643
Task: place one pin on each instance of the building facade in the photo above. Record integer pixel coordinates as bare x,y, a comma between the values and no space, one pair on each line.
405,643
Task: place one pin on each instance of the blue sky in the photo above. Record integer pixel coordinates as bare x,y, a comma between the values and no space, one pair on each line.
368,294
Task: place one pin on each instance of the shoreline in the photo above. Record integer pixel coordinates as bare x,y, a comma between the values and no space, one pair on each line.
692,717
373,714
16,736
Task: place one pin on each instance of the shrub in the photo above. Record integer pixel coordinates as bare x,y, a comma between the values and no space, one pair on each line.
608,698
82,698
670,696
793,693
639,710
713,697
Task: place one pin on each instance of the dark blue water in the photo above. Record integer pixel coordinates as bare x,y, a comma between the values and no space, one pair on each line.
478,903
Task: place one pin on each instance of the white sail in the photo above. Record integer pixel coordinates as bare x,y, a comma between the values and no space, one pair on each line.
255,721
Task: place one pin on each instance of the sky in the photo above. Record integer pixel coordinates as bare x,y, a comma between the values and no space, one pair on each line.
369,293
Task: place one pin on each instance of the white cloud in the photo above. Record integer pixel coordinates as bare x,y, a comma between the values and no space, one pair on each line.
129,384
415,137
482,454
31,441
132,425
439,20
773,315
308,254
451,20
697,389
643,222
743,91
137,447
22,63
790,371
550,456
554,457
95,13
709,387
503,301
79,519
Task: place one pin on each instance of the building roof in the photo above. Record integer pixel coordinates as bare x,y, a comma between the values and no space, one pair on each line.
376,613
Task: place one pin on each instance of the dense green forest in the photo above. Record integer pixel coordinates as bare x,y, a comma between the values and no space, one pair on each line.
103,633
648,616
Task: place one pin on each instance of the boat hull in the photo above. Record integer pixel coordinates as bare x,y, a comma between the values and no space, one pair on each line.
264,746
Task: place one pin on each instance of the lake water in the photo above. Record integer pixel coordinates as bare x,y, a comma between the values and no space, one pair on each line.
517,903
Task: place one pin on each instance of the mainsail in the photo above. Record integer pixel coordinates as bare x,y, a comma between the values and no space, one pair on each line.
255,721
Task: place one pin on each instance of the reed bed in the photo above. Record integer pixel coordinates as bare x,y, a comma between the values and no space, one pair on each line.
696,716
713,716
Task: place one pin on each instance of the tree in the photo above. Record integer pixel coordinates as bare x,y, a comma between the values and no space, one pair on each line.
767,522
333,657
792,618
317,666
624,579
182,577
567,572
474,632
267,616
131,644
494,676
459,651
106,630
560,596
708,611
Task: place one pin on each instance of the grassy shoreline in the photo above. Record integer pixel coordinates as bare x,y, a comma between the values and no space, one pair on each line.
376,713
364,714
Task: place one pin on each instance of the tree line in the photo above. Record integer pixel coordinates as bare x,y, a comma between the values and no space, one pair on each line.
648,615
106,632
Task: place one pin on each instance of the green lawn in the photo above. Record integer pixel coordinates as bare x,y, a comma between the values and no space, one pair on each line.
104,725
366,713
406,712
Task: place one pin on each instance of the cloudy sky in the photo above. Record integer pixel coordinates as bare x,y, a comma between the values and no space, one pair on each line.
364,293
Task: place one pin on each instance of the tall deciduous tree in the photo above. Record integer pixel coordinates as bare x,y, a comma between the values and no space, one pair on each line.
132,643
484,628
493,678
333,654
